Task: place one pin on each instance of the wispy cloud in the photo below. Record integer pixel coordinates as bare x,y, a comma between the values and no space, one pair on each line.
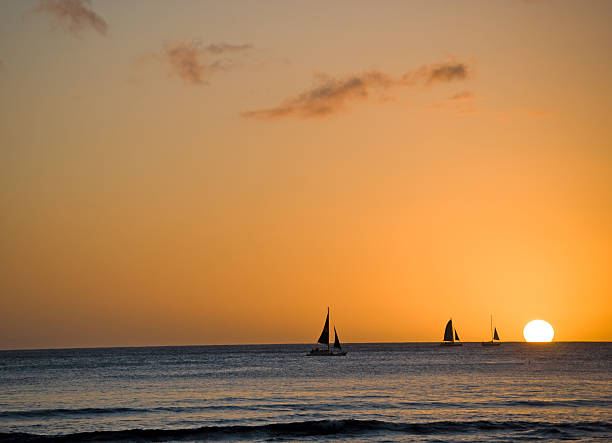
462,96
186,62
446,72
220,48
74,15
463,102
330,94
194,63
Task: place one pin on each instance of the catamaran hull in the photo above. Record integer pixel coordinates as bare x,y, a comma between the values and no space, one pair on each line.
326,354
490,343
450,343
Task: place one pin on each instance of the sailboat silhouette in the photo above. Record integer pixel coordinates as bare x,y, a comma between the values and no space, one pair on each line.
494,337
451,338
324,340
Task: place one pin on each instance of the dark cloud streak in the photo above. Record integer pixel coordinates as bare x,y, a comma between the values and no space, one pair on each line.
75,15
331,95
194,63
447,73
186,62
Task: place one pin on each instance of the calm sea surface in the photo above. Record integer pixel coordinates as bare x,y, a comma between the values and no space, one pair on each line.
392,392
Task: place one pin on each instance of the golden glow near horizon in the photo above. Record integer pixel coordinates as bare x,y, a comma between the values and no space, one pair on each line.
538,331
215,179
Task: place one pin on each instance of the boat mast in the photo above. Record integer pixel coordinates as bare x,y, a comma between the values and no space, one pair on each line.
328,350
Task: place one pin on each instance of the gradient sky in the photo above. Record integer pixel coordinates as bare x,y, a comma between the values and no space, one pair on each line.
194,172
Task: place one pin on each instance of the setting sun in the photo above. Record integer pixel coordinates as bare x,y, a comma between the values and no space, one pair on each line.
538,331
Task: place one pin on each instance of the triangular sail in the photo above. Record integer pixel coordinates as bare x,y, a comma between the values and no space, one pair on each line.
337,340
456,335
324,338
495,336
448,332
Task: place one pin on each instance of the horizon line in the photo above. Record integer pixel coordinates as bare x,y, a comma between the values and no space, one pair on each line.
281,344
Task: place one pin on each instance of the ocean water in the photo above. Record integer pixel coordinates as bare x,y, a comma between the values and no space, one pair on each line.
378,392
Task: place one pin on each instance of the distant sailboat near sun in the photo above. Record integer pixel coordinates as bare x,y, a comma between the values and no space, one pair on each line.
336,351
451,338
494,337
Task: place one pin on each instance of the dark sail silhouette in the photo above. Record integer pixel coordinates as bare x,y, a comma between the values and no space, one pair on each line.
324,338
337,340
451,338
448,332
494,337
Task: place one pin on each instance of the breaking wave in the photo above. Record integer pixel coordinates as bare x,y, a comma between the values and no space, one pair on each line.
332,428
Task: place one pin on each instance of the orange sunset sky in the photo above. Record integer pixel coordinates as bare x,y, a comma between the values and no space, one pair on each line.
195,172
